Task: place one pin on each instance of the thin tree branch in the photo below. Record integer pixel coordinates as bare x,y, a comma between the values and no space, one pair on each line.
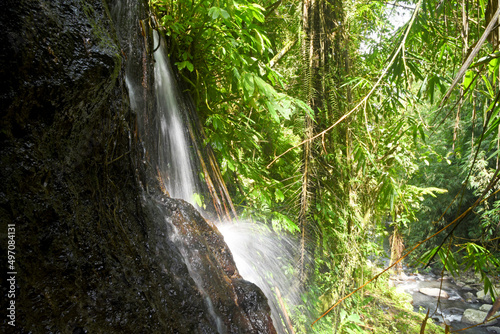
282,52
471,56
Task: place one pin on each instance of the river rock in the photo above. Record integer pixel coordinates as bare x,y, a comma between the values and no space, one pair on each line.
469,297
467,288
434,292
473,317
493,330
485,298
486,308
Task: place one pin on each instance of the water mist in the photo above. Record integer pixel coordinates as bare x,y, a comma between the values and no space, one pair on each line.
268,260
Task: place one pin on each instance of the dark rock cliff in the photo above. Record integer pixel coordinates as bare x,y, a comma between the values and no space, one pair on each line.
94,251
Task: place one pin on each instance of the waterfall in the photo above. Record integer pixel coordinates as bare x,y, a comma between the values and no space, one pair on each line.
165,141
174,158
176,167
262,257
162,127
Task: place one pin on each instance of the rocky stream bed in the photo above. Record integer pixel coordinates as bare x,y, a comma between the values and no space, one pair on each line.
462,302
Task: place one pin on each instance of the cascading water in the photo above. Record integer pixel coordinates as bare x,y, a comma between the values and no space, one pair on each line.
175,164
261,256
170,153
174,161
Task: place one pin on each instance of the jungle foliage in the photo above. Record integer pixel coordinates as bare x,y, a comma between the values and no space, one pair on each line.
332,124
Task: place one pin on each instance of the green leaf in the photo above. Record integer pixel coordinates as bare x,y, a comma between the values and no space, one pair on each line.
248,84
263,87
236,73
257,12
198,199
214,12
422,134
271,108
488,86
354,318
468,78
260,42
230,165
281,221
493,66
224,14
185,64
279,195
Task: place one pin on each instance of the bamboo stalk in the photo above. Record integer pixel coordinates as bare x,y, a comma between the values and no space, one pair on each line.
285,313
282,52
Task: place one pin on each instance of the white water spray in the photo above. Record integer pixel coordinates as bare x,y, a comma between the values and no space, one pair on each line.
268,260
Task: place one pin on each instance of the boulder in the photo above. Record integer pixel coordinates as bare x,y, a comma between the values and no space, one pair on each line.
469,297
486,308
493,330
485,298
434,292
474,317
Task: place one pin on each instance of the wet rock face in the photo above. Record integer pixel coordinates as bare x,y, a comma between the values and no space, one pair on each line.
94,254
57,53
254,303
237,305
